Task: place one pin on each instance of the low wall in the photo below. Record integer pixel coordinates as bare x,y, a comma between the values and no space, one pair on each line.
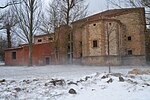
113,60
134,60
102,60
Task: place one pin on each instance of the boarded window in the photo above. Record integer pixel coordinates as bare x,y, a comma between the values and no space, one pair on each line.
39,40
13,55
129,52
95,43
129,38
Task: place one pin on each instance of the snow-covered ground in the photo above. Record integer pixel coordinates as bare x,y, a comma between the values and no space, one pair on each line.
59,71
89,83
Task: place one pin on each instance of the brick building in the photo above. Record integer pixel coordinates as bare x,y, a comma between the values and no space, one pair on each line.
113,37
42,52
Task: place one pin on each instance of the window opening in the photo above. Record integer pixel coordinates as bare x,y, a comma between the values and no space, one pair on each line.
95,43
13,55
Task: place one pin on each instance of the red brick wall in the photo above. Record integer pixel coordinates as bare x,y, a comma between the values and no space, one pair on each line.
17,61
40,52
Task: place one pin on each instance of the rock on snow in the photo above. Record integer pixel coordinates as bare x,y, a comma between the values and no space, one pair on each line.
98,86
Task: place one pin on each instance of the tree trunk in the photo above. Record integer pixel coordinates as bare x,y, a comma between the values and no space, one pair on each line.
31,33
70,47
67,18
30,54
8,37
108,51
108,60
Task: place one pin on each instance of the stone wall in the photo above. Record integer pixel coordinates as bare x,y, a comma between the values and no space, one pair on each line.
112,36
114,60
127,38
102,60
77,40
134,27
98,30
134,60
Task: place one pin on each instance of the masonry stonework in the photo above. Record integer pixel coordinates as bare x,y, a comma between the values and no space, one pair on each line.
120,36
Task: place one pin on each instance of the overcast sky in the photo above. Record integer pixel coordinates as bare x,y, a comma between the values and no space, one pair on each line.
95,6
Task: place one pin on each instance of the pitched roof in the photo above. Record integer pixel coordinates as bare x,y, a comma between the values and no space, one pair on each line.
25,45
11,49
110,13
41,35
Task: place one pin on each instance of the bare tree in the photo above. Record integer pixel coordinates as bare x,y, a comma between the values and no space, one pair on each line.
64,12
53,18
3,45
111,39
7,22
72,10
145,3
46,26
10,4
27,14
135,4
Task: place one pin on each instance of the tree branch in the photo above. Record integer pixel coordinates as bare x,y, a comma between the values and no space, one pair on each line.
10,4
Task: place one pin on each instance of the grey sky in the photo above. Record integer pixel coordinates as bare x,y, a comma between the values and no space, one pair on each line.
95,6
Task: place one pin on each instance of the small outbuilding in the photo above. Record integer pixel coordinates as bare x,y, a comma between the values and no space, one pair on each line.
20,55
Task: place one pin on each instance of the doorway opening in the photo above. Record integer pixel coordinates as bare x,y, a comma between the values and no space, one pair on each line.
47,61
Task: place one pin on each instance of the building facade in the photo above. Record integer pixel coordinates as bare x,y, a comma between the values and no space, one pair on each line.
115,37
42,52
112,37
